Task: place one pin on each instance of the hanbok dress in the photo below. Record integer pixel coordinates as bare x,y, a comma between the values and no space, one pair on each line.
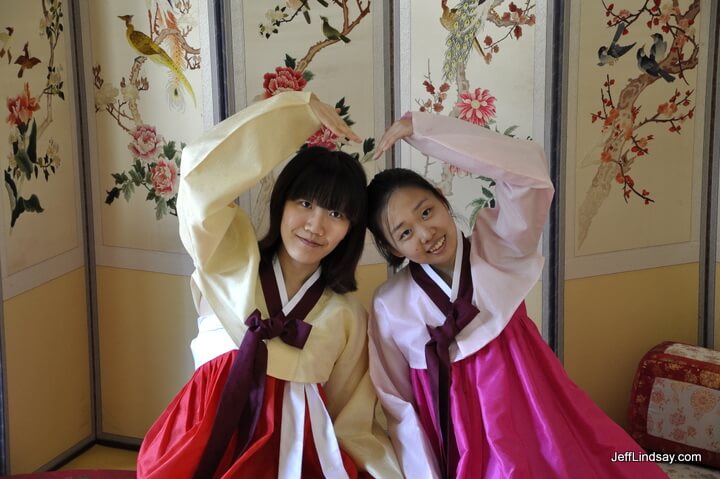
294,400
469,387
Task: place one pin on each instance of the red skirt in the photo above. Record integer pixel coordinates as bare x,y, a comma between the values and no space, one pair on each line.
175,442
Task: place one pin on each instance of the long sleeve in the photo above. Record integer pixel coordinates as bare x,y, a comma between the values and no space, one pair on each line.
504,257
224,162
390,375
523,188
351,403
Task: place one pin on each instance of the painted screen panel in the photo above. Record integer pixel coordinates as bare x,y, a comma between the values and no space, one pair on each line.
39,208
336,51
637,86
147,104
483,62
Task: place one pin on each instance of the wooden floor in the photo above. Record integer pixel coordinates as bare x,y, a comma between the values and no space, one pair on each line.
101,457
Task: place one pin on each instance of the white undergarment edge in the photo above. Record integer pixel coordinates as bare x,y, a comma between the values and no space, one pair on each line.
326,443
291,431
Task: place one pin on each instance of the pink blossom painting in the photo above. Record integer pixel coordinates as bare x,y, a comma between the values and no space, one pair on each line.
475,61
147,108
323,47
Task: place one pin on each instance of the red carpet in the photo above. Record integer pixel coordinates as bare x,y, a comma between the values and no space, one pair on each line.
79,474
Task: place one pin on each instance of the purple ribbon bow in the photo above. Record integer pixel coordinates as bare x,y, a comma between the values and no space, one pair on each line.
458,314
244,391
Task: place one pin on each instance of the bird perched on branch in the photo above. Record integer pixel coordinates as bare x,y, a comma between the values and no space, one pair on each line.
649,64
332,33
608,55
463,24
145,46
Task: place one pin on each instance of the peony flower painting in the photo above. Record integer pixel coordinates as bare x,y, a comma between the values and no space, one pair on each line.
293,31
472,61
477,107
153,159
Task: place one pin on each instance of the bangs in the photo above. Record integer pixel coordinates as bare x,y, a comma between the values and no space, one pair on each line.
334,184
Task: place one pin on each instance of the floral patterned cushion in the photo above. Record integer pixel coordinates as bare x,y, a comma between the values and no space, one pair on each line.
687,471
675,401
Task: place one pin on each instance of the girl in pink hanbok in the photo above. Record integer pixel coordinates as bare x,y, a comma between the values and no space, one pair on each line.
469,387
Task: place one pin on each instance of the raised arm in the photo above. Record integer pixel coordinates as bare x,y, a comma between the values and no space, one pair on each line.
523,188
224,162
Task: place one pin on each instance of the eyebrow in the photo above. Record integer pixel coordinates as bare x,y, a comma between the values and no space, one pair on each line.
417,206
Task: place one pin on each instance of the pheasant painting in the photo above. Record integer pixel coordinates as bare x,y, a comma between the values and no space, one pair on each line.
145,46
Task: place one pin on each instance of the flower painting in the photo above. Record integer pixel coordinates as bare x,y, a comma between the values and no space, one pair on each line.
300,46
152,159
26,161
483,52
40,199
477,107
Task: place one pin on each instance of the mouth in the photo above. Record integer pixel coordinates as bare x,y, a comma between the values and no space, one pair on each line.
438,246
308,242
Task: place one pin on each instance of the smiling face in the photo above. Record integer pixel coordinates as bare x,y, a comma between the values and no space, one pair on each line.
418,226
309,233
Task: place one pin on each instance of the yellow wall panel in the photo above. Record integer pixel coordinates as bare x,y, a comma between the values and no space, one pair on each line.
48,372
146,321
612,320
369,277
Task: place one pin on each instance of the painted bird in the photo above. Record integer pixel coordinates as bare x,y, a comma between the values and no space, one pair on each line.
5,38
26,61
331,33
465,22
649,64
145,46
609,54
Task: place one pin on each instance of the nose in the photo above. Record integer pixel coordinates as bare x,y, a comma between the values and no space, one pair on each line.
425,233
315,223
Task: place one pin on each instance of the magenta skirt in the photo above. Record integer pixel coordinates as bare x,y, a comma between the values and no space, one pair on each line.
516,414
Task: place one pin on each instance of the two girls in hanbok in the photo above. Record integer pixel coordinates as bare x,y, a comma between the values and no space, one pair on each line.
287,394
469,387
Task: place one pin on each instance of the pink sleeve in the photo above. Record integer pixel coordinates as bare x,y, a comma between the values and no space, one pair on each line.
390,375
505,260
523,188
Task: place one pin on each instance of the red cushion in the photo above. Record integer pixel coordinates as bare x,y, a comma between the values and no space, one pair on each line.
675,401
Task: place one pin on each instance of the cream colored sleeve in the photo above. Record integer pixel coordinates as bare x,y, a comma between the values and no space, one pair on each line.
224,162
351,402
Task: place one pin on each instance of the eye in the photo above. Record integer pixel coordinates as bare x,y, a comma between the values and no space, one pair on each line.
405,234
304,204
336,214
426,213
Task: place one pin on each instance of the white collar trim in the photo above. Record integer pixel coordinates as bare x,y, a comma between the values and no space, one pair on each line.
452,293
289,304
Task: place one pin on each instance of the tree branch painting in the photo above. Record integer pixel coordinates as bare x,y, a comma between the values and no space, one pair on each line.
326,29
629,130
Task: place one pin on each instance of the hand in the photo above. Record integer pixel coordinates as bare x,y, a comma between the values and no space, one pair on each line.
329,118
397,131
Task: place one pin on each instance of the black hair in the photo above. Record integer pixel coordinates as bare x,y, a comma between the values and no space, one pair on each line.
335,181
382,186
